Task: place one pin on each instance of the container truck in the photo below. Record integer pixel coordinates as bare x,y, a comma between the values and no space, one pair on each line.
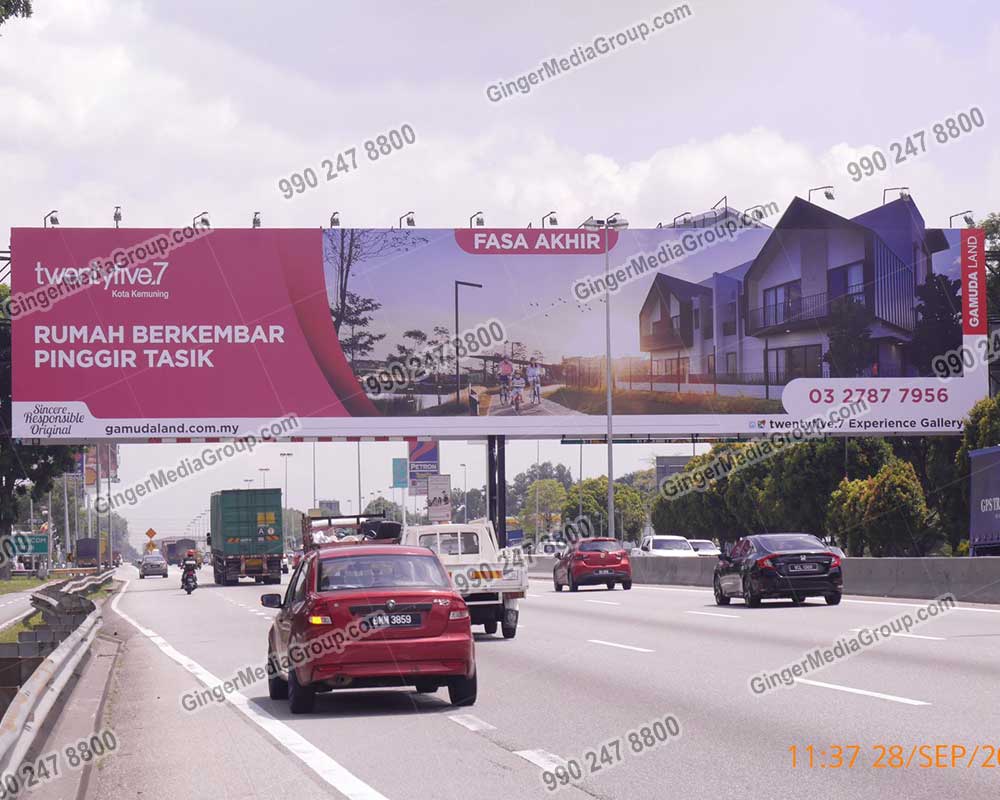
86,552
246,535
183,545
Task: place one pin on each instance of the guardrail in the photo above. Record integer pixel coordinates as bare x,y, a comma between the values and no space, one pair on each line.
68,614
29,709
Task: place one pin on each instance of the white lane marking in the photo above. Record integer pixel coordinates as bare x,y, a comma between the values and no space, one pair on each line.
541,758
603,602
907,635
329,770
671,589
713,614
622,646
837,687
471,722
917,605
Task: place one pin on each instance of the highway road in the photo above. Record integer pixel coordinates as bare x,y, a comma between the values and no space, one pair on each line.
13,605
585,668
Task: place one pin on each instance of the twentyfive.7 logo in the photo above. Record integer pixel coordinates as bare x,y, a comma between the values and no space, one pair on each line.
122,281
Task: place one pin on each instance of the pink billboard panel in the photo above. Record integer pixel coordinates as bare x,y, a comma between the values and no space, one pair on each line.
721,326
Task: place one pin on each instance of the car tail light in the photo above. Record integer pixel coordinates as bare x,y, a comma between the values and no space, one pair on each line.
765,563
579,557
462,613
834,560
320,620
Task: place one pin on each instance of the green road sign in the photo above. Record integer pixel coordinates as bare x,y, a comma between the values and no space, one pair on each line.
31,544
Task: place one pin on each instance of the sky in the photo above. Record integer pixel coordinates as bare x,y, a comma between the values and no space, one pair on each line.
170,108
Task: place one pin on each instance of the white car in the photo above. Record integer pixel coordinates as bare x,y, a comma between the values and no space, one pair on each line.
705,547
665,547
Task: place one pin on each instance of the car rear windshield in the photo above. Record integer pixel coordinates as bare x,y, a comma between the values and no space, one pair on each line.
153,558
451,544
599,547
698,544
387,571
671,544
789,542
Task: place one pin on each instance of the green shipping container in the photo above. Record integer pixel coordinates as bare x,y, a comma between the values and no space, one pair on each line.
246,522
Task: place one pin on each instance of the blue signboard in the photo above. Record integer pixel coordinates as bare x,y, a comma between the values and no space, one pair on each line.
400,478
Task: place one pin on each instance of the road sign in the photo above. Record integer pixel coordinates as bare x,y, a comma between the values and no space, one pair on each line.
439,498
399,473
36,544
150,546
151,534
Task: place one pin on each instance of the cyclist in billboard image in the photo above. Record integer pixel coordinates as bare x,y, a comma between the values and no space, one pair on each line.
534,378
517,391
506,372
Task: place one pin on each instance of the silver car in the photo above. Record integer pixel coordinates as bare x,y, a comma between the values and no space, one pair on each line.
153,564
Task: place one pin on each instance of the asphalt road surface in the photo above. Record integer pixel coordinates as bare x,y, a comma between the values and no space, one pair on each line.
586,668
12,605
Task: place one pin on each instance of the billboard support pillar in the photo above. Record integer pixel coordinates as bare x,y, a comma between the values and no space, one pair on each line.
501,490
491,480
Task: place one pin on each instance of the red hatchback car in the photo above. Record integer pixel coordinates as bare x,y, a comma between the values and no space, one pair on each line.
360,616
593,561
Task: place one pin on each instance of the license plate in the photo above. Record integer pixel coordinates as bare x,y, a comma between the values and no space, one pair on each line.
394,620
254,562
602,572
803,567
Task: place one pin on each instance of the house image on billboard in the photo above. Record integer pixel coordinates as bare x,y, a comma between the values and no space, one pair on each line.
766,321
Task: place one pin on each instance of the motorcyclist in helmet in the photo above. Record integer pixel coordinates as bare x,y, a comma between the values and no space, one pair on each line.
188,567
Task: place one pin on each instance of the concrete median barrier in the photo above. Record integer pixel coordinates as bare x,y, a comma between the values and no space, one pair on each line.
971,580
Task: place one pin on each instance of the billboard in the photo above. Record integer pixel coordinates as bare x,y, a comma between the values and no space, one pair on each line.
984,502
720,326
107,456
439,498
331,507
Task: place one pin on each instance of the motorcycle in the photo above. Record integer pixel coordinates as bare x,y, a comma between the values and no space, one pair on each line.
189,581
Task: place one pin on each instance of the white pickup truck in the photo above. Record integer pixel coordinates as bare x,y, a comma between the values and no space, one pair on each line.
490,579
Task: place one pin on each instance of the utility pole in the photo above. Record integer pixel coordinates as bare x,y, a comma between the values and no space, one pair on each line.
65,514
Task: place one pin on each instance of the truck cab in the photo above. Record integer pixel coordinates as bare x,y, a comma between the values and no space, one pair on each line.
490,579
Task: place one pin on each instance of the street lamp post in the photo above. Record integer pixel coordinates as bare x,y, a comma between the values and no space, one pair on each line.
248,482
465,491
618,223
458,361
284,501
263,476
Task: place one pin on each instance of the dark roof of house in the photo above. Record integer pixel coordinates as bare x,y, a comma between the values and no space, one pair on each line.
682,289
904,214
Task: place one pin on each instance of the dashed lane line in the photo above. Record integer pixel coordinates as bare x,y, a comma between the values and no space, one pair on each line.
851,690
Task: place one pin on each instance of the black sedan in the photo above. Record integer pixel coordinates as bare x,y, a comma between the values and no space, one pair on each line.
788,565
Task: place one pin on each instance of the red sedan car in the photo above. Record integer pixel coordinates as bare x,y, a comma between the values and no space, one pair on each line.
360,616
593,561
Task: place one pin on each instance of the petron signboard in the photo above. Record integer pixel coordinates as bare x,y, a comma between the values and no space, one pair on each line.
719,327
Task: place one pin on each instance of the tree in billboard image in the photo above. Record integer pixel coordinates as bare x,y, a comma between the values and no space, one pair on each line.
23,468
939,321
850,349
